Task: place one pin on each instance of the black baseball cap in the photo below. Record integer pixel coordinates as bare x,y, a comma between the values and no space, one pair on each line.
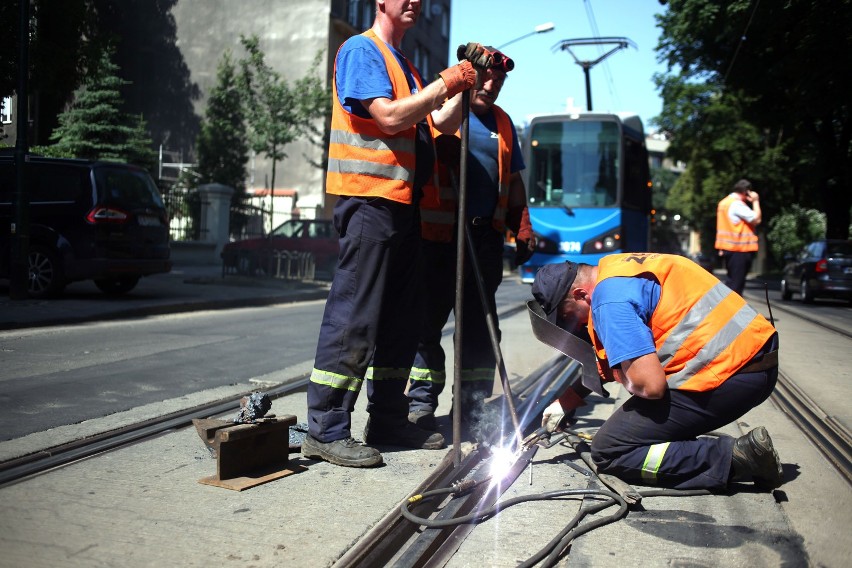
552,283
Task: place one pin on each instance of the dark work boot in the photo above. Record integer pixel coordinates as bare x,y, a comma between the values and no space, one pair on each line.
406,435
346,452
755,457
423,419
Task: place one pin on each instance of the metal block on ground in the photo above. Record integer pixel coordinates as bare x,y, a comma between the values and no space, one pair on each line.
247,454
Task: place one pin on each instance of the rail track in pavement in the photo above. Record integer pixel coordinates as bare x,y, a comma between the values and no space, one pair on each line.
396,541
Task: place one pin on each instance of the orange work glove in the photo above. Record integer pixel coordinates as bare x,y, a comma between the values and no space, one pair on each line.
476,53
518,221
458,78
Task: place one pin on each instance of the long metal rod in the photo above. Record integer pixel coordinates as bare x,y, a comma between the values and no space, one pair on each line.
460,238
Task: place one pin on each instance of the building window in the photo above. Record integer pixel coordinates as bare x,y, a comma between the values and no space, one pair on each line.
421,61
368,11
6,110
445,23
426,8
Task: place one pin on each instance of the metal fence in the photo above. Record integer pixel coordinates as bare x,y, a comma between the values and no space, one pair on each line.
184,208
280,264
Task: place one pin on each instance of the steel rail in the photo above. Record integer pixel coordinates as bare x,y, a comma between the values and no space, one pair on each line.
395,541
801,315
16,469
830,437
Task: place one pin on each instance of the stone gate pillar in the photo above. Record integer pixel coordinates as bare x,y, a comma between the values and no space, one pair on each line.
215,214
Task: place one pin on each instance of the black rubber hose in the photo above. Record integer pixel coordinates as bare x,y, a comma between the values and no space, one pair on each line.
557,545
497,507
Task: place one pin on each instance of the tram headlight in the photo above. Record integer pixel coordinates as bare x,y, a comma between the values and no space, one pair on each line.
545,245
605,243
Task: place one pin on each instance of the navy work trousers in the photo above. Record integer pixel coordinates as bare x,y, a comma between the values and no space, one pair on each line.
371,317
737,264
478,360
691,460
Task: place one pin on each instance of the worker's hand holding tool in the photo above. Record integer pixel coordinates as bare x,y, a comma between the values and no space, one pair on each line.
481,57
553,418
458,78
473,58
524,239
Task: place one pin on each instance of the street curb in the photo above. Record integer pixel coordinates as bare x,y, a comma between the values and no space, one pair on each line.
290,297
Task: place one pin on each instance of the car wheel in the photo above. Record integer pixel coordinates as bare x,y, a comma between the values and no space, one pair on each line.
786,294
117,286
45,274
806,292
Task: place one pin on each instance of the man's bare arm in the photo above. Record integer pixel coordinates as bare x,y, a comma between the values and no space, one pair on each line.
642,376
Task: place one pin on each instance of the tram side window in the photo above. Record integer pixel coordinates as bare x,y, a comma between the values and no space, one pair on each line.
637,194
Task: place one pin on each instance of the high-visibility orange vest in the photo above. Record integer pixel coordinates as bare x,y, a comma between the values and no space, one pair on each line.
703,331
363,160
438,208
736,237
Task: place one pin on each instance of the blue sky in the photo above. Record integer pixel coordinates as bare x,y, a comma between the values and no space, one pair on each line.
543,79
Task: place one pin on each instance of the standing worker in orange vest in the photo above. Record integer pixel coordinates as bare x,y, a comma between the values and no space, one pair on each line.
735,236
496,199
381,154
694,355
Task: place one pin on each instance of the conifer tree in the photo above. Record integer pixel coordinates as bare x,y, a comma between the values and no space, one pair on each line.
94,127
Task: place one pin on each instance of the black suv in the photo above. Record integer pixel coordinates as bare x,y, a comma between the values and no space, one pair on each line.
89,220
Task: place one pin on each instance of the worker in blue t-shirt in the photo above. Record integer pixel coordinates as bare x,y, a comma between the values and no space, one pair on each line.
496,201
380,156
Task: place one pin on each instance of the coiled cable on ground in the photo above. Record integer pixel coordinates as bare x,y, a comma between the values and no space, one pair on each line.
553,550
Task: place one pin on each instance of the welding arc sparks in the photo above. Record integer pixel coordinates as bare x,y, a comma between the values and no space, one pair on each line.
502,460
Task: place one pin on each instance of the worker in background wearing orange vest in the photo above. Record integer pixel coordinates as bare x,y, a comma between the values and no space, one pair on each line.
694,355
381,154
496,199
736,240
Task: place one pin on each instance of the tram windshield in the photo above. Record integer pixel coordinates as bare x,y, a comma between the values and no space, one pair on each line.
574,163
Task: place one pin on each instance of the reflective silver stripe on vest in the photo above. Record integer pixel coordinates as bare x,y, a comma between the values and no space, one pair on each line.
653,460
336,381
362,167
691,321
718,343
370,142
727,335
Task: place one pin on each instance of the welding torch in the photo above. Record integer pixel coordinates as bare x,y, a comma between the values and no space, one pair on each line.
547,439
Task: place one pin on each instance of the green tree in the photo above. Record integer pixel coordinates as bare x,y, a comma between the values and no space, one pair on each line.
221,145
778,65
278,113
94,126
710,133
794,228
